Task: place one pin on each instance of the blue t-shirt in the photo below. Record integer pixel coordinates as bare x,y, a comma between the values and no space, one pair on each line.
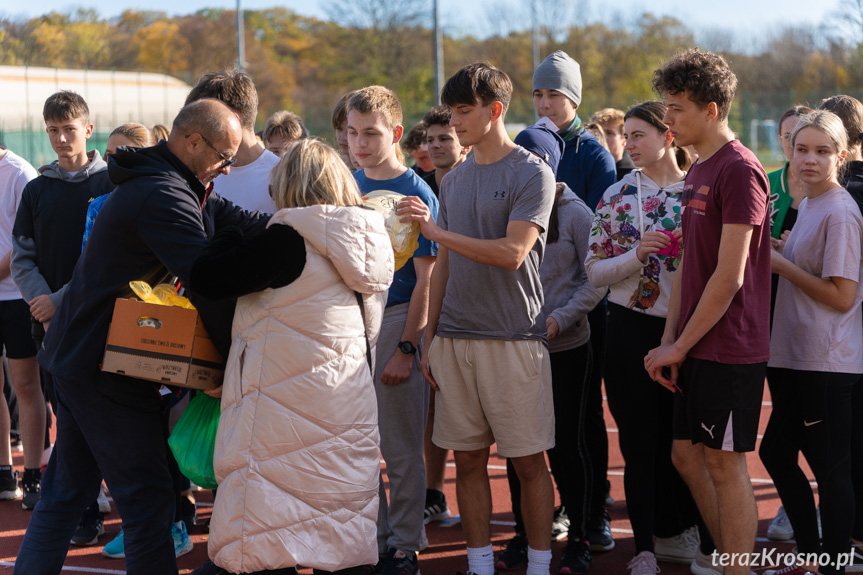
407,184
92,212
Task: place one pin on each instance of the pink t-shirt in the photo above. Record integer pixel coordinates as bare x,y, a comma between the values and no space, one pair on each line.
729,188
808,335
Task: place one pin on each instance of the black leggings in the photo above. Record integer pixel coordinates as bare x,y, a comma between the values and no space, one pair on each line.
657,500
857,461
812,413
595,434
569,460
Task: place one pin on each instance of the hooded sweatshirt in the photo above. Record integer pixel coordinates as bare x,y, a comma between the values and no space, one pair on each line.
49,225
152,227
586,167
569,296
628,209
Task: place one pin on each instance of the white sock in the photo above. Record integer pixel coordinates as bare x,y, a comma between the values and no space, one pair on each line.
538,562
480,560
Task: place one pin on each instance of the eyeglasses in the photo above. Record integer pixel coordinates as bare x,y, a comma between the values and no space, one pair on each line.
226,161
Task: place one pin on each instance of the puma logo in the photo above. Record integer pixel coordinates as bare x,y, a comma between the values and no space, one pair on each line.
710,431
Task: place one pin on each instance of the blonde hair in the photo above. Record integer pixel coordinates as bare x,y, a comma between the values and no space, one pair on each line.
610,116
141,136
378,99
285,124
828,123
373,99
311,173
161,133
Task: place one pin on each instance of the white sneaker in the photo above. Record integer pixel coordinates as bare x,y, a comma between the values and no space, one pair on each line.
643,564
703,565
678,549
780,528
102,500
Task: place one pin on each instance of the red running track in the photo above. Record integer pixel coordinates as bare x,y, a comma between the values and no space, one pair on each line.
446,553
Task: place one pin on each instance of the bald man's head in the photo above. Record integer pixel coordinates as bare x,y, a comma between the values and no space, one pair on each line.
205,136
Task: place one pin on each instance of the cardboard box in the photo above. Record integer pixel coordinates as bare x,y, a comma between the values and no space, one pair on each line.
165,344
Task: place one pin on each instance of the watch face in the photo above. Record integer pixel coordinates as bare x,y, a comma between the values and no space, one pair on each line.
407,347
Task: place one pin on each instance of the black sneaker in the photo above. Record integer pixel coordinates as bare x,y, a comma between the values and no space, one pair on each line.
575,559
436,508
188,512
599,533
560,524
9,485
209,568
400,562
88,532
32,484
376,568
514,556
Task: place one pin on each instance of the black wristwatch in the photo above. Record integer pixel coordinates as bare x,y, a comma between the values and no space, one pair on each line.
407,348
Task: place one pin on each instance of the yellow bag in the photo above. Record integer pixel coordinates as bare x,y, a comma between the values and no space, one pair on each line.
404,236
162,294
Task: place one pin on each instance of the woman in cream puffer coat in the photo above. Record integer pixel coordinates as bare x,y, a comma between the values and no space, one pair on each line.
297,452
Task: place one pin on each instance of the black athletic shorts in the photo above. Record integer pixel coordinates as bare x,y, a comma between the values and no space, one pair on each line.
15,329
720,404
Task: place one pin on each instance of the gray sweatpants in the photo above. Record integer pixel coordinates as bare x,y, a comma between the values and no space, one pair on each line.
402,411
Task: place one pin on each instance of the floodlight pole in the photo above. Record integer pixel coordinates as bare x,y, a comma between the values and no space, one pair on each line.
535,34
241,43
438,52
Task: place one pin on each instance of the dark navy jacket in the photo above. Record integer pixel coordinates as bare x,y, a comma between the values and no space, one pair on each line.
587,168
151,228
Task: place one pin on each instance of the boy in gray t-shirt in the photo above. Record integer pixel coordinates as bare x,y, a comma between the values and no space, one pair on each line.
486,353
480,201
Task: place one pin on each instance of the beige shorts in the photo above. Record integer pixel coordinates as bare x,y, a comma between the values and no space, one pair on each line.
492,391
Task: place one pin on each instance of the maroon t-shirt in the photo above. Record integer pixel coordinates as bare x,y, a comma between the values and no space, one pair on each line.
729,188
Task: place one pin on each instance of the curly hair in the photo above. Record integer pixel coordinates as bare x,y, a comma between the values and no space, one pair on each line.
705,77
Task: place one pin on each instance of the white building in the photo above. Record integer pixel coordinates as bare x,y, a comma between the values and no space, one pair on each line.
114,98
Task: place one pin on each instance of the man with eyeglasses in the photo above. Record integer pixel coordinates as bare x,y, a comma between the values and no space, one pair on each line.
155,224
247,184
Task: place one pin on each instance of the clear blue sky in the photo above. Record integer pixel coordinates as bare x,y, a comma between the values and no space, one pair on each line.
749,20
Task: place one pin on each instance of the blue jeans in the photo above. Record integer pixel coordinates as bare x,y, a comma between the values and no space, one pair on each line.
109,427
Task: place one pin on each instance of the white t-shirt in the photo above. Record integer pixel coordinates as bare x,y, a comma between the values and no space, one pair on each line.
808,335
249,186
15,172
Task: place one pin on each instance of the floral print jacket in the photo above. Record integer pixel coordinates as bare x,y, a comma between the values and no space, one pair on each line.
628,209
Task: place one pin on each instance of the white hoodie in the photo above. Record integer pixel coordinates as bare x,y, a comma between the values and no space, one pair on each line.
628,209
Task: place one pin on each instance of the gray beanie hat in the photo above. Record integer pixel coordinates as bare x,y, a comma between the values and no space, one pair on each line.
559,72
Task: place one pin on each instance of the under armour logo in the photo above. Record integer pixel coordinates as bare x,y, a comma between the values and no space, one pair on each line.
710,431
500,195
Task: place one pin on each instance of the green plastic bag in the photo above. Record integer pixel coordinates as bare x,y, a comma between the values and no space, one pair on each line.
194,440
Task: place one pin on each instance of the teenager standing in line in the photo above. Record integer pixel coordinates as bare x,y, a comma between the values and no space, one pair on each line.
817,343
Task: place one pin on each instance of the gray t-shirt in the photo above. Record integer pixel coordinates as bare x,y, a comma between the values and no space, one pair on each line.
479,201
808,335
